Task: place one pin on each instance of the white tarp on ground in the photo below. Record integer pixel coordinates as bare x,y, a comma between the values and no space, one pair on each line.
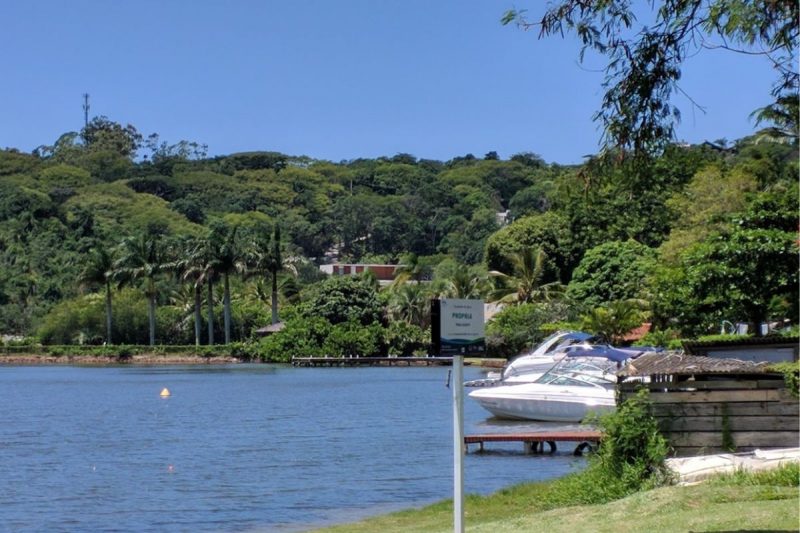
695,469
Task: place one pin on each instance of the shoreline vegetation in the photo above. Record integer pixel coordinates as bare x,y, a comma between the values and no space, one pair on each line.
762,501
138,359
120,354
149,355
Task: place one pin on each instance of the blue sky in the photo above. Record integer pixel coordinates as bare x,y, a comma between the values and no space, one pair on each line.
330,79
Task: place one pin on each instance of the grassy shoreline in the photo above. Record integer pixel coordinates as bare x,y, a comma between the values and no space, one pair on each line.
764,501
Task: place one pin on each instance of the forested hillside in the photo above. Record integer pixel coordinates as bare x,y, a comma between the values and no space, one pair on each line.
105,217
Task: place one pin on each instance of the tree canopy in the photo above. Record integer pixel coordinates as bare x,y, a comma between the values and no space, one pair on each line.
699,234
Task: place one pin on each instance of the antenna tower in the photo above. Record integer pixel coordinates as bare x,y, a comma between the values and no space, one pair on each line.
85,109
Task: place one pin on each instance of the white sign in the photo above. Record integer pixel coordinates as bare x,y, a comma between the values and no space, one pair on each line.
462,327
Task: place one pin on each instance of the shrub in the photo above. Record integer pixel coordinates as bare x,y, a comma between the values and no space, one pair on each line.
343,299
404,339
631,456
791,375
302,337
665,338
517,328
353,339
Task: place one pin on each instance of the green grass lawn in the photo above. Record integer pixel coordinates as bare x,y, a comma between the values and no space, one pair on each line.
733,503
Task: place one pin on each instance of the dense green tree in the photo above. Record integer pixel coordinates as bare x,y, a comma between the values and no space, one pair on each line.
517,328
548,232
302,336
705,206
353,339
467,238
12,161
102,134
354,216
530,201
741,270
612,271
342,299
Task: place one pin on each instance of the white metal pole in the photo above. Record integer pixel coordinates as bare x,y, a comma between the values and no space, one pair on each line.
458,444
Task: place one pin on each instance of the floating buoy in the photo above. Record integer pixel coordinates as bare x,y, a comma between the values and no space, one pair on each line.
165,393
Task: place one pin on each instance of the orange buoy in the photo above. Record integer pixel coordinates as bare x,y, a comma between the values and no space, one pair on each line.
165,393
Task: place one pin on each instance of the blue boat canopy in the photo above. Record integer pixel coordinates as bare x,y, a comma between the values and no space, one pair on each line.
611,353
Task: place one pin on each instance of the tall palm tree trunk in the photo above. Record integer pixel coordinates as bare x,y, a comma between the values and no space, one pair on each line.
274,300
210,313
108,312
227,309
198,314
152,313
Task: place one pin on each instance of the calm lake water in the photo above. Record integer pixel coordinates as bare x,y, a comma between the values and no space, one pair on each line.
237,448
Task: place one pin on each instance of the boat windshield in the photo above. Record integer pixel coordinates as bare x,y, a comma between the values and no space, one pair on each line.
578,381
587,370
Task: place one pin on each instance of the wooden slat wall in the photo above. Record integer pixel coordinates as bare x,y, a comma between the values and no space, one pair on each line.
758,413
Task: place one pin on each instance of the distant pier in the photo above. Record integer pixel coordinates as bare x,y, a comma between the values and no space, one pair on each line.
372,361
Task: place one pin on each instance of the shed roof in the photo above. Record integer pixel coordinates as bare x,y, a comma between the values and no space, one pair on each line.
682,364
773,340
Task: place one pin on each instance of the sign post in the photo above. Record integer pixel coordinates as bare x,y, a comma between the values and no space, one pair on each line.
458,444
457,331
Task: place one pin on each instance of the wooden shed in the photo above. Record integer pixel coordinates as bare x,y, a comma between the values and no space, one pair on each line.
708,405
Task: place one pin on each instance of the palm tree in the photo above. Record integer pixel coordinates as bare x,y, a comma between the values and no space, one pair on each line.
465,283
524,283
613,320
265,257
100,271
142,259
411,270
411,304
191,267
261,290
223,259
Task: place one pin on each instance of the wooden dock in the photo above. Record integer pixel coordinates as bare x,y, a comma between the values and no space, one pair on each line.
371,361
534,442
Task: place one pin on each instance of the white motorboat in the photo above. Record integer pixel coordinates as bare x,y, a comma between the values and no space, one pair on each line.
581,383
528,367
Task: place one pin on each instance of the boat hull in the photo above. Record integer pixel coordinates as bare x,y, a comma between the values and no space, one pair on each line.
530,402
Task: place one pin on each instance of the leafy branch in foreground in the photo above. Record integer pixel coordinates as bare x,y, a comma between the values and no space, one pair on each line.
643,71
